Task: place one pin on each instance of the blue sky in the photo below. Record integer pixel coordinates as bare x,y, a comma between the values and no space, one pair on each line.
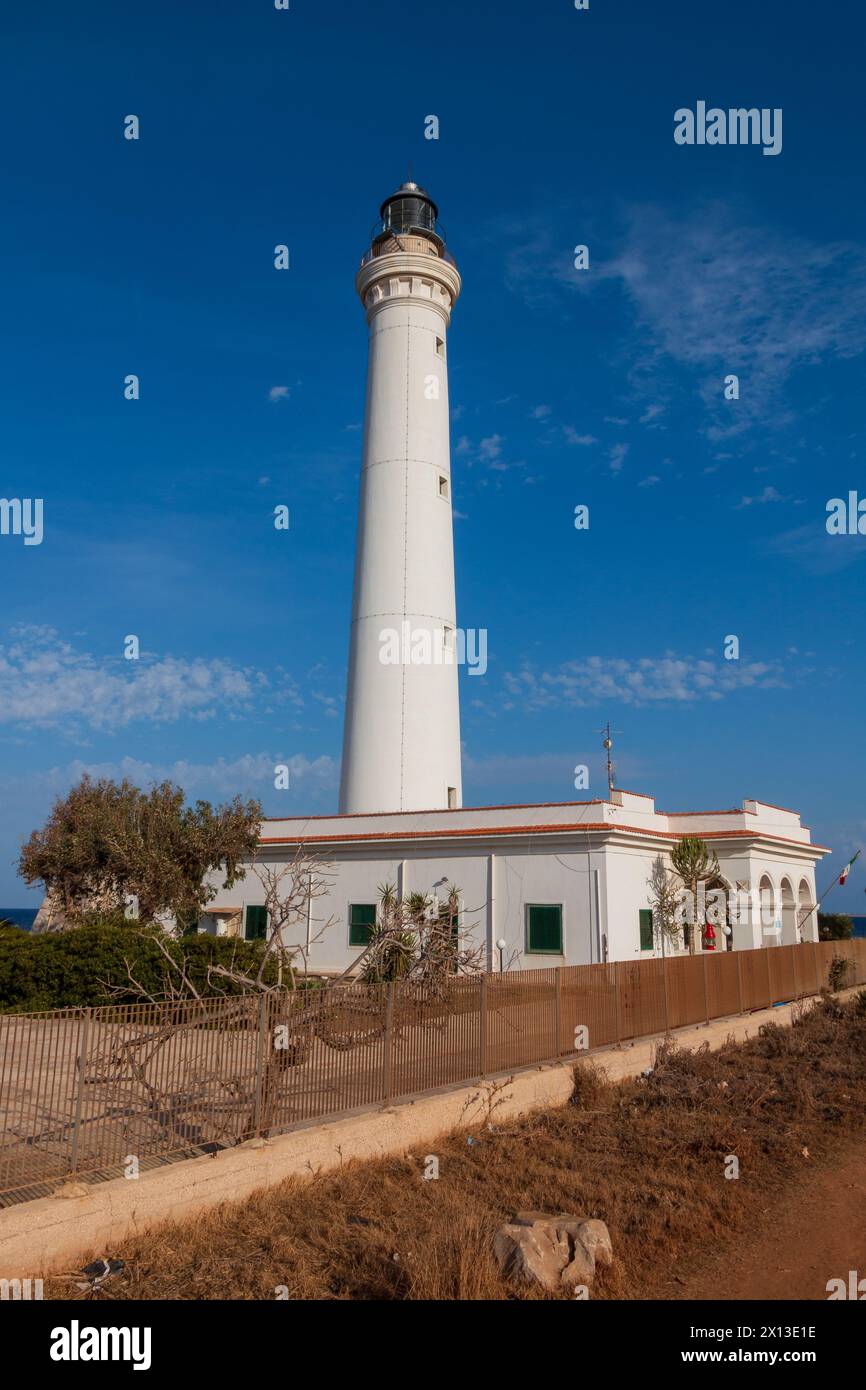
604,387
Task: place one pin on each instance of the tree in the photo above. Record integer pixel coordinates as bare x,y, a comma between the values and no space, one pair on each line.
106,842
695,865
834,926
664,901
417,938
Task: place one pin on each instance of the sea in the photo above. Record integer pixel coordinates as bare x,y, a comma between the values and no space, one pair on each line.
22,917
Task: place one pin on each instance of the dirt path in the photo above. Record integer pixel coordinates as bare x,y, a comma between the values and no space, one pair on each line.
814,1231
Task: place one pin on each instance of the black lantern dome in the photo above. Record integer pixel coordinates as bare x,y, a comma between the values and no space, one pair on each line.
410,209
409,222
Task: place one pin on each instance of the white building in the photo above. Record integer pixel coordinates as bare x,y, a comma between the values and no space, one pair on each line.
560,884
557,884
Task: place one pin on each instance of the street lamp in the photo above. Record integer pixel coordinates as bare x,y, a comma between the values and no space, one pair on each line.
500,946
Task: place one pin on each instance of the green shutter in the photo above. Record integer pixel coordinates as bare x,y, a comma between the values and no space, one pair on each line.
256,924
646,929
362,920
544,928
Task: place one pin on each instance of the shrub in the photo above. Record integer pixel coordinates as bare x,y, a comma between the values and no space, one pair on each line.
56,970
838,972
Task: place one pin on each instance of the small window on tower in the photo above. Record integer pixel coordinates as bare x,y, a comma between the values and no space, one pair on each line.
449,639
440,347
443,487
452,798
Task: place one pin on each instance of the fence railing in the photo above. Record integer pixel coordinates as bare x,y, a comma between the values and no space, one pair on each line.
107,1090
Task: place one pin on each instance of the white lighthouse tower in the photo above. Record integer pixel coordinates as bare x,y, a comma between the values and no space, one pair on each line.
401,741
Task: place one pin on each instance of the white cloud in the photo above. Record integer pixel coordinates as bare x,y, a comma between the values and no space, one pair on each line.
616,456
650,481
646,680
278,393
46,682
540,412
724,296
490,448
572,436
770,494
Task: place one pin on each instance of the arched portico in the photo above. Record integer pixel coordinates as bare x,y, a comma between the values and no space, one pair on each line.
790,935
770,912
807,919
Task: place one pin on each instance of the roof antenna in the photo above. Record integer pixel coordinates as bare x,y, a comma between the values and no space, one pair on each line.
607,744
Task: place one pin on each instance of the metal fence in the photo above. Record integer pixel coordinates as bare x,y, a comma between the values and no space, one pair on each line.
91,1092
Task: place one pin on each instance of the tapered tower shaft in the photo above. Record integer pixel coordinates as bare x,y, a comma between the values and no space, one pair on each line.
401,742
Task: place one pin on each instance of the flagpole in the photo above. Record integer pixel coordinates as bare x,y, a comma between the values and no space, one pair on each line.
848,866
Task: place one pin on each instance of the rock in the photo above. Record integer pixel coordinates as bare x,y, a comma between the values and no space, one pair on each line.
73,1189
533,1253
543,1218
581,1270
555,1251
595,1239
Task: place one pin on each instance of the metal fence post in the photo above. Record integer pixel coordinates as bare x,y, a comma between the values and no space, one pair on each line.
616,1001
79,1099
767,950
557,1010
739,981
665,992
388,1042
262,1043
706,989
482,1032
817,967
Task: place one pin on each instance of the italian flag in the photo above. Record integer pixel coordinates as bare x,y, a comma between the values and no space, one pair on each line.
847,869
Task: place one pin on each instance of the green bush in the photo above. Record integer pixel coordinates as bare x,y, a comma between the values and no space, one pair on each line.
838,973
56,970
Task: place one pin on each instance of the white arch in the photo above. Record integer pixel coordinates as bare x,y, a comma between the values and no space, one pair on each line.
807,919
770,911
790,936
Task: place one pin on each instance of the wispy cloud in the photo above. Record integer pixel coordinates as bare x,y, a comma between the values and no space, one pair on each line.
770,494
572,437
643,681
278,393
46,682
616,456
817,552
490,448
718,293
722,296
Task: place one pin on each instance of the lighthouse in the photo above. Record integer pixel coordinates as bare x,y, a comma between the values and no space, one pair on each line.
401,738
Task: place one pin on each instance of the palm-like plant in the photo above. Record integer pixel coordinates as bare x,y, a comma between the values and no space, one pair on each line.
417,937
694,863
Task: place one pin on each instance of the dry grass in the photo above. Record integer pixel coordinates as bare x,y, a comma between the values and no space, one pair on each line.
646,1156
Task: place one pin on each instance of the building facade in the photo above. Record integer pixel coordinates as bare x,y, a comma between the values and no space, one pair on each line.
560,884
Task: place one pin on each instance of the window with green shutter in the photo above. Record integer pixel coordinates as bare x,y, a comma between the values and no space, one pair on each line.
362,920
646,929
256,925
544,929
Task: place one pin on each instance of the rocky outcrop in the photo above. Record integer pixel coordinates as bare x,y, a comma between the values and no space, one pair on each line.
556,1252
